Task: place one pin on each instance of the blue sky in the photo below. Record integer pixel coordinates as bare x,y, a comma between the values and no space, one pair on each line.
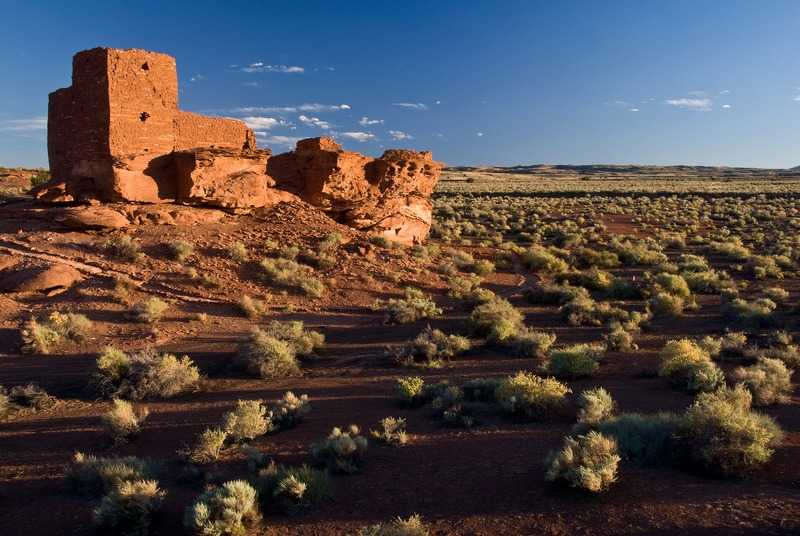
494,82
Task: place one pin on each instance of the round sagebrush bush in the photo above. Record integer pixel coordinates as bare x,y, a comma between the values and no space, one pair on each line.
644,439
223,511
588,462
304,341
688,366
289,411
619,339
432,347
529,396
42,336
267,357
93,476
497,320
756,314
292,489
144,374
342,451
769,381
576,361
595,405
123,421
247,420
150,310
414,305
528,342
128,509
666,305
208,446
722,434
410,390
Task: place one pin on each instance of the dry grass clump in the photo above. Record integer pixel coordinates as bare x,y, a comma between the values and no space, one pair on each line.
769,381
576,361
688,366
551,294
755,314
129,508
248,420
391,431
289,411
585,311
143,374
595,405
43,336
93,476
150,310
411,526
208,446
292,489
528,342
289,274
620,339
588,462
724,436
342,451
237,251
180,250
414,305
225,511
542,259
123,422
272,352
29,397
123,247
463,286
252,308
529,396
432,348
497,320
410,391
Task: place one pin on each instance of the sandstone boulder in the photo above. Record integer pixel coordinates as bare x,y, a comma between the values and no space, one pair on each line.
49,280
93,218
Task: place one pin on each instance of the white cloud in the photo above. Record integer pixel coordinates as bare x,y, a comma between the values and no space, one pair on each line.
197,78
306,107
358,136
252,84
479,134
698,105
725,92
411,105
700,94
277,140
260,67
398,135
726,106
263,123
314,122
24,125
797,98
366,121
438,102
633,109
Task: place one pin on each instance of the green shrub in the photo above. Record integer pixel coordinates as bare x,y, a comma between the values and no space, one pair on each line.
412,526
497,320
592,279
410,390
724,436
666,305
548,294
42,336
462,286
292,489
122,421
267,357
530,396
391,431
223,511
576,361
289,274
769,381
143,374
247,421
432,348
289,411
587,462
731,346
644,439
303,341
689,367
756,313
584,311
539,258
414,305
128,509
208,446
89,475
181,250
342,451
619,339
595,405
150,310
674,285
480,389
528,342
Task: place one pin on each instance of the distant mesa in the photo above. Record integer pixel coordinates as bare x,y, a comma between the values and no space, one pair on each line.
117,135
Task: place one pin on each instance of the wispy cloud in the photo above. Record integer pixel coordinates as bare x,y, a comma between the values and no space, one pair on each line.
479,134
797,98
306,107
314,122
725,92
24,125
260,67
197,78
366,121
694,104
633,109
727,106
358,136
411,105
263,123
251,84
269,139
398,135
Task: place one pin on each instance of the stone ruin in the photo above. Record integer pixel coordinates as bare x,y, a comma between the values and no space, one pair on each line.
117,136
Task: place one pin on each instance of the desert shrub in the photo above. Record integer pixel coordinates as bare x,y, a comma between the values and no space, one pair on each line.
587,312
708,282
530,396
576,361
123,421
724,436
587,462
42,176
208,446
637,253
592,279
732,248
123,247
621,288
448,406
128,509
480,389
150,310
391,431
247,420
5,403
292,489
252,309
462,286
644,439
42,336
143,374
756,313
223,511
410,390
619,339
414,305
539,258
731,346
763,267
587,258
289,274
303,341
664,304
412,526
267,357
673,285
528,342
549,294
688,366
693,263
432,348
595,405
237,251
776,294
181,250
769,381
31,396
497,320
90,475
289,411
342,451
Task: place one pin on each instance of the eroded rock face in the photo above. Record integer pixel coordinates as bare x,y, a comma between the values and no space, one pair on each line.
49,280
93,218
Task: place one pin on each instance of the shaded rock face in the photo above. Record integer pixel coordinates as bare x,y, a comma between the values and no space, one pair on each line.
48,280
116,135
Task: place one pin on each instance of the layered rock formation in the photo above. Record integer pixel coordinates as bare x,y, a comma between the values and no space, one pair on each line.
117,135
